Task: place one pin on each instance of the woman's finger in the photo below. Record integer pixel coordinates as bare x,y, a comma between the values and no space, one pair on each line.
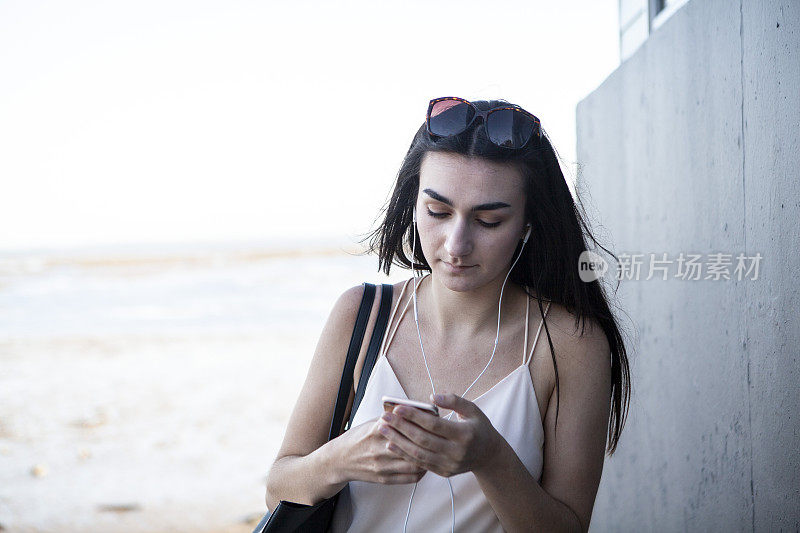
399,465
400,479
413,452
395,450
463,407
433,424
420,436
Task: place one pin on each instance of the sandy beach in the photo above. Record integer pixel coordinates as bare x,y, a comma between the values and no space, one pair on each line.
150,393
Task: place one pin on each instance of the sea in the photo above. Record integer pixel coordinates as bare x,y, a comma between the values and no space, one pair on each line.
147,387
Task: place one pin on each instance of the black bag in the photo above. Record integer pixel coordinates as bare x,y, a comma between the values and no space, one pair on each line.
289,516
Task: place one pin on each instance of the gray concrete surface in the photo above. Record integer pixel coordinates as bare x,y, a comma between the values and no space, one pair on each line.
691,146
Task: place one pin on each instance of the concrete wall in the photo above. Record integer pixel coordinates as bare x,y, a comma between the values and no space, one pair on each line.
692,146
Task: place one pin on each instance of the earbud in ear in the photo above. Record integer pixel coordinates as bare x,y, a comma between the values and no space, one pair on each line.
414,215
527,234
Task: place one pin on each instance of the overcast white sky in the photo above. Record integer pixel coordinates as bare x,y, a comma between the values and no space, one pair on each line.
179,120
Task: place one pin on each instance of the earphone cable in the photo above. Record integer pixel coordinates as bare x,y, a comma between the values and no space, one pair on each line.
419,336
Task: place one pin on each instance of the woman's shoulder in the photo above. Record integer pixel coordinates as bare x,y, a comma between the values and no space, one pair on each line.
349,301
573,338
341,320
401,289
345,310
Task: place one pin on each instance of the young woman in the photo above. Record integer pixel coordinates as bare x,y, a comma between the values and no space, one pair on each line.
524,419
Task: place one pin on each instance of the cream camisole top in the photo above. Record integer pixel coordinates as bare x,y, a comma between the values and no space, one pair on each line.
511,407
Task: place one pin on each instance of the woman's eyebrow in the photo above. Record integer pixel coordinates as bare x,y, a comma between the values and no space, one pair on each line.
481,207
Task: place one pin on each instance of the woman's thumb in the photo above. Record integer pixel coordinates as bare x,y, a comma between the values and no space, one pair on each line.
453,402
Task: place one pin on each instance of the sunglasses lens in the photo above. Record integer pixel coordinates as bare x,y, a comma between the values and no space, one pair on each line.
450,117
509,128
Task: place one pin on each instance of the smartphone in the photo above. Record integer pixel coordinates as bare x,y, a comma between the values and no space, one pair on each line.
390,401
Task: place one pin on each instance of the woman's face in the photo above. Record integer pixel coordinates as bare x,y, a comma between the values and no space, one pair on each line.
470,218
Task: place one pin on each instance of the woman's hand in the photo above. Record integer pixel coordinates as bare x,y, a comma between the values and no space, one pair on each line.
364,456
444,446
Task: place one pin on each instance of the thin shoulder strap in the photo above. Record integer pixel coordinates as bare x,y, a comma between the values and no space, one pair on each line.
346,383
372,350
546,309
389,333
527,313
397,324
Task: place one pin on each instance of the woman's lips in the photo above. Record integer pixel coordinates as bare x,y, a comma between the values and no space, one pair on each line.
456,269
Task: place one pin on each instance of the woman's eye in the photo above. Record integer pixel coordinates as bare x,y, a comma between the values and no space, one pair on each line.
488,224
481,222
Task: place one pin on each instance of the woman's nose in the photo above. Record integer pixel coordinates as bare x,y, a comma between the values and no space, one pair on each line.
459,240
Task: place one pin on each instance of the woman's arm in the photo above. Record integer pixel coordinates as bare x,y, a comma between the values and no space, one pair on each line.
309,468
305,457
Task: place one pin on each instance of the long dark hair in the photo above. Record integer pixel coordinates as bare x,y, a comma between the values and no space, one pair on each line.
549,268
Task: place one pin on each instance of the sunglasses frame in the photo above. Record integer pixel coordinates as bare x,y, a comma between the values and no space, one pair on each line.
484,115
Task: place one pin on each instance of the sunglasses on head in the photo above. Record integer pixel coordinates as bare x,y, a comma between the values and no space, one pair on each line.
507,126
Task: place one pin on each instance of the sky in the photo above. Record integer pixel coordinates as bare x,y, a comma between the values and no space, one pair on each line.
199,121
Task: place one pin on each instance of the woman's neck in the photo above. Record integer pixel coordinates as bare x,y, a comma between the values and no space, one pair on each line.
468,314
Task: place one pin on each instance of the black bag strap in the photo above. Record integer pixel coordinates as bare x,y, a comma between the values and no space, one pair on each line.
356,340
374,347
